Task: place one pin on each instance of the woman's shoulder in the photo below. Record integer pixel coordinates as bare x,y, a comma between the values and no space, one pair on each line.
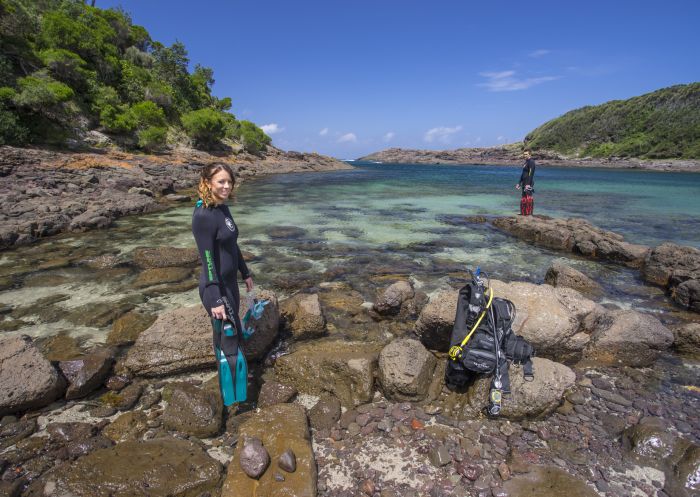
202,213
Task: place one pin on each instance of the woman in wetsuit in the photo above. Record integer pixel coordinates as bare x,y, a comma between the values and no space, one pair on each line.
527,183
217,240
216,235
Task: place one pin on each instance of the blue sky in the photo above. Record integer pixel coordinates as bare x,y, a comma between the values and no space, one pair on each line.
349,78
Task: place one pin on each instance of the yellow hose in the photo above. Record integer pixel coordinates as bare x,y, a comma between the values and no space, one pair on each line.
456,349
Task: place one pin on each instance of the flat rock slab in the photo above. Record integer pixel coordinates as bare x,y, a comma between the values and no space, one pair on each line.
574,235
280,427
157,468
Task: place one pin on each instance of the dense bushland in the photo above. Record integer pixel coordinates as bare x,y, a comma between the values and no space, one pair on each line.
661,124
67,68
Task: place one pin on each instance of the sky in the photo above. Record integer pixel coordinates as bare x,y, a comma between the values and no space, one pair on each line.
348,78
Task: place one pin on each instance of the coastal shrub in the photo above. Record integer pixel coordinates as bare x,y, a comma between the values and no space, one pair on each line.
254,139
12,132
65,66
38,93
205,126
152,138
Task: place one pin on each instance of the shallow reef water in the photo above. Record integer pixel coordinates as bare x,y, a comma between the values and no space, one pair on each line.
360,227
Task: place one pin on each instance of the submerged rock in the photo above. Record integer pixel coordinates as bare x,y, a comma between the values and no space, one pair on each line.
161,257
677,269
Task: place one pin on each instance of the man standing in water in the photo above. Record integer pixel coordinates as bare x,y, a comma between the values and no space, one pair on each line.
527,184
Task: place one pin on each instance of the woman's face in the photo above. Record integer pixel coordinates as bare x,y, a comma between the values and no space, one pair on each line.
220,186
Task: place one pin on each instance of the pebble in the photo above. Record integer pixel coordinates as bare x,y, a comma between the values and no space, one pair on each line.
507,429
353,429
439,456
504,471
288,461
363,419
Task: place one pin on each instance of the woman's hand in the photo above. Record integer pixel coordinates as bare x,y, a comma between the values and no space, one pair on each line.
517,187
218,312
249,284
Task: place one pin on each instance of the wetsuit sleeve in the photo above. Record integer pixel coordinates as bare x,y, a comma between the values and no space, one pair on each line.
204,231
532,174
523,177
242,267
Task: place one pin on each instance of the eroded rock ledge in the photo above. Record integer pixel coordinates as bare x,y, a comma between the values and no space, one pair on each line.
45,192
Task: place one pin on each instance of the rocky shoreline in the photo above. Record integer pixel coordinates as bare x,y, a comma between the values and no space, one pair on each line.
511,155
50,192
348,399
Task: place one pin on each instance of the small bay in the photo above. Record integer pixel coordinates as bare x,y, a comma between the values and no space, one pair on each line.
362,227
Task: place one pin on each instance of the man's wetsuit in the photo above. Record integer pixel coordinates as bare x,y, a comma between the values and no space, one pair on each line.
217,240
527,179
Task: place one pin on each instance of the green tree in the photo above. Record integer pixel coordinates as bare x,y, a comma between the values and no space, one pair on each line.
253,138
205,126
40,92
152,138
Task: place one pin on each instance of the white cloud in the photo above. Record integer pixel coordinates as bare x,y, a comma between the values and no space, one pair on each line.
507,81
441,134
271,129
323,132
538,53
388,137
348,138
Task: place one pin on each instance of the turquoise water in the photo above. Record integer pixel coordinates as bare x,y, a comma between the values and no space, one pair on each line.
363,227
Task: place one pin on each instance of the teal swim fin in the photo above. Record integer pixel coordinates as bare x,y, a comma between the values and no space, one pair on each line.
233,370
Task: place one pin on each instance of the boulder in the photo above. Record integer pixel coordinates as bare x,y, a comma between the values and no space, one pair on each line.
405,370
304,316
126,329
27,379
528,399
280,428
87,373
687,295
549,318
325,413
435,322
128,426
652,443
345,369
687,339
391,299
160,467
179,341
561,275
667,260
272,393
160,257
574,235
266,328
193,410
627,337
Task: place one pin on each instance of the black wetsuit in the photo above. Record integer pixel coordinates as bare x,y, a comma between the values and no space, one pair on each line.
217,240
527,177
